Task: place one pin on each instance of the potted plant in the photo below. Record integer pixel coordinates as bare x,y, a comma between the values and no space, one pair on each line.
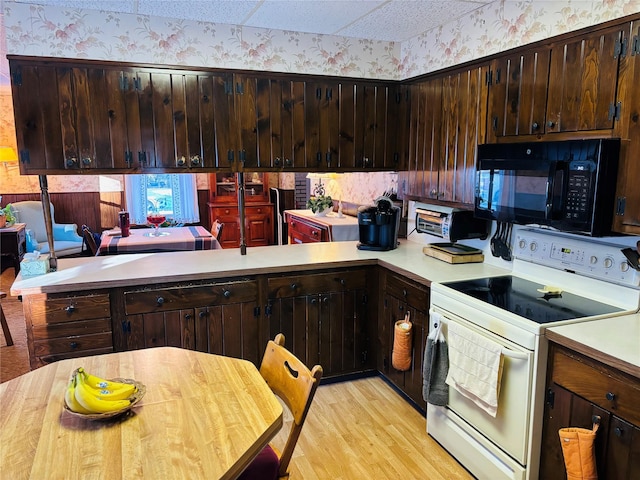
6,216
319,203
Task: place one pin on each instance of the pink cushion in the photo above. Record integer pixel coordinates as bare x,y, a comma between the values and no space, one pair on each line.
263,467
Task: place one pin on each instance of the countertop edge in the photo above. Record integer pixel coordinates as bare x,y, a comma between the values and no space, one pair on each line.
593,353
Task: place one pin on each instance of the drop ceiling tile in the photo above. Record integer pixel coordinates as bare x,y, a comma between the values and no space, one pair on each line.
400,20
123,6
310,16
229,12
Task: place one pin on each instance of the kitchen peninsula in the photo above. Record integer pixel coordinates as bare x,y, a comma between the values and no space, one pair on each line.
223,302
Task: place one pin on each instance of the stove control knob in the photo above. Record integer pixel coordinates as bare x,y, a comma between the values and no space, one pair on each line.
522,243
624,266
608,262
593,259
533,247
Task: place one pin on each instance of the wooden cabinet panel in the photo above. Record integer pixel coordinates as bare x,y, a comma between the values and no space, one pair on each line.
397,135
324,318
259,225
223,190
518,94
64,326
421,178
464,114
579,390
399,297
302,230
582,82
627,212
221,318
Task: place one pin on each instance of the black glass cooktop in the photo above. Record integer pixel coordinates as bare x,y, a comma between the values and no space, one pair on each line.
522,297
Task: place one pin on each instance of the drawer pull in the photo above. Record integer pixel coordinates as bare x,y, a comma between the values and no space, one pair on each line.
610,396
70,309
294,286
74,345
343,282
226,293
160,301
404,292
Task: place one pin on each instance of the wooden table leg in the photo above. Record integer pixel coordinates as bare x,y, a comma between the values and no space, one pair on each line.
5,326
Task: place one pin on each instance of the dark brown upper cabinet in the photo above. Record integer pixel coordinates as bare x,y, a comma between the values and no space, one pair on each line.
398,121
627,208
424,139
518,94
582,82
322,124
63,118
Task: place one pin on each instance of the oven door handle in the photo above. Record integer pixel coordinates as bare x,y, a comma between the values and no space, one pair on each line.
513,354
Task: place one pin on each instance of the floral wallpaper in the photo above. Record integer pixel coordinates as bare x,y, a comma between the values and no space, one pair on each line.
30,29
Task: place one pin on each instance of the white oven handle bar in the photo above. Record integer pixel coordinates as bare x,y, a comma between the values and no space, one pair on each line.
514,354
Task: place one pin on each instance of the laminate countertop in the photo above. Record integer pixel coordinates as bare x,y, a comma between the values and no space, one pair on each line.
78,274
612,341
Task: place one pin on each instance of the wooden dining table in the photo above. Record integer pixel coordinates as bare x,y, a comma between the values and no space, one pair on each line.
142,240
202,416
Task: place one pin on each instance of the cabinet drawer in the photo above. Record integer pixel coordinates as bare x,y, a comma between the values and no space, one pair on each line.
45,310
161,300
76,343
225,212
606,388
293,286
415,295
71,329
321,233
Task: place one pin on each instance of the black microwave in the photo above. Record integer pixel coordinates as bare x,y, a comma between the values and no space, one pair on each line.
567,185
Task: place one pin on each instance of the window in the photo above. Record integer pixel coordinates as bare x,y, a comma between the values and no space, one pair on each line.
174,195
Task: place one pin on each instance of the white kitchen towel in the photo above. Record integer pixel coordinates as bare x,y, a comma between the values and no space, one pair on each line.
475,367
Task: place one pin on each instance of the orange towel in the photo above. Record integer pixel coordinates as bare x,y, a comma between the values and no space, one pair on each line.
402,344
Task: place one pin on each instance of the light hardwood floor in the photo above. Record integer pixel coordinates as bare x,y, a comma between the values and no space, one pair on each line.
362,429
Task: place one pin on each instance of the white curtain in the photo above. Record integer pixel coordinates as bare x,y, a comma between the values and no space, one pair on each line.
183,191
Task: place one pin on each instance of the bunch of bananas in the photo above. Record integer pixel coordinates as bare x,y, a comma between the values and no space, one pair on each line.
87,393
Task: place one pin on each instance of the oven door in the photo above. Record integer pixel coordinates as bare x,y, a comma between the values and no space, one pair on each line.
509,430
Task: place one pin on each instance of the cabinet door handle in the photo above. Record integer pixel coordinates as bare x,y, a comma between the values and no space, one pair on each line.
618,431
551,124
535,126
202,314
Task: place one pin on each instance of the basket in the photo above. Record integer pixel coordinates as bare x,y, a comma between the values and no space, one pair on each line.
135,398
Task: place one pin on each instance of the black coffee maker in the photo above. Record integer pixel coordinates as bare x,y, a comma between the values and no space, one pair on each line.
378,225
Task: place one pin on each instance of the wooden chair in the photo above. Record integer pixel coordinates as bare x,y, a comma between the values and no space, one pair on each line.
5,325
89,240
216,229
296,385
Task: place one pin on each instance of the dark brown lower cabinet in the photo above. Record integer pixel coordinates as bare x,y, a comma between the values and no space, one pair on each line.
399,297
580,389
218,317
324,317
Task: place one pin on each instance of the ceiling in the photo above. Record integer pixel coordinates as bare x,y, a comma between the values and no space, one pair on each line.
387,20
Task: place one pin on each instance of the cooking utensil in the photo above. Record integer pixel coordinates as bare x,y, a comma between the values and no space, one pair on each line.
633,257
506,243
494,240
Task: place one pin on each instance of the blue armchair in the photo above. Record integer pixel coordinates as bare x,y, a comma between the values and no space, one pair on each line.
66,240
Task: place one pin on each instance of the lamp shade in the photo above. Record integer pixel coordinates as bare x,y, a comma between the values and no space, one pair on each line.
8,155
